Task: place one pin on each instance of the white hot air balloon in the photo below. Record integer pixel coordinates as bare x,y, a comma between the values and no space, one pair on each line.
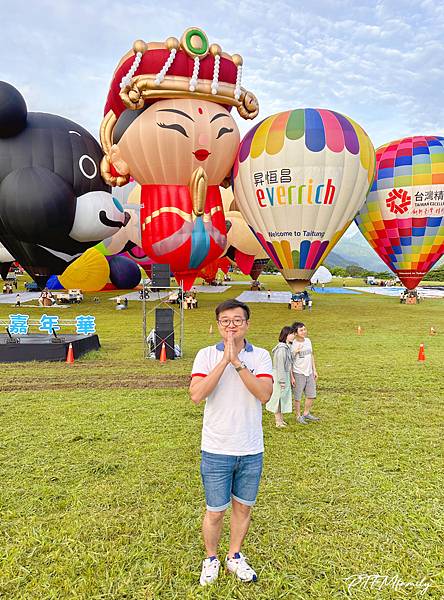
5,256
321,275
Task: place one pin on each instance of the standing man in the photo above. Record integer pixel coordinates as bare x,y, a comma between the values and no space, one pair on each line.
235,379
304,374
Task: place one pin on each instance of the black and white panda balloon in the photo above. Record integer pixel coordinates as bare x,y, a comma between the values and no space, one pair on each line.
54,204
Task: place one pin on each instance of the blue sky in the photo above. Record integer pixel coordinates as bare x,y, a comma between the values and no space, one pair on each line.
379,62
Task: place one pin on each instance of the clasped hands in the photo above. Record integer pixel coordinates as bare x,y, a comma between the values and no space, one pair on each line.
230,352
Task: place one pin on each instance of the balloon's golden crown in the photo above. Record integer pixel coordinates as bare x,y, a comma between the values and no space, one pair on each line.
189,68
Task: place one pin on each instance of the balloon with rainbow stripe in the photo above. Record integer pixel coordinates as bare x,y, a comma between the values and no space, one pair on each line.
300,177
403,217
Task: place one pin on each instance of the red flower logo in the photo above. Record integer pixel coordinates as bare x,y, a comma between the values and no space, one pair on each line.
398,201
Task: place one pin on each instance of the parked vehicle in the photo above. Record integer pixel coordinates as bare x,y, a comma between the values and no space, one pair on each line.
69,296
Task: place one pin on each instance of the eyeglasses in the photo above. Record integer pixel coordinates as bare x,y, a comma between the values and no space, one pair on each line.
237,322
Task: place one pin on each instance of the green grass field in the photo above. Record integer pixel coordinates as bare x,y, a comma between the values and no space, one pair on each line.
100,495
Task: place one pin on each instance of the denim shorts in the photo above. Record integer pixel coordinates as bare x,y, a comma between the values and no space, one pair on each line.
225,477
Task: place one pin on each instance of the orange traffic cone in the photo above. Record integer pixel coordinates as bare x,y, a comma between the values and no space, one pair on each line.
211,328
421,355
359,330
70,355
163,353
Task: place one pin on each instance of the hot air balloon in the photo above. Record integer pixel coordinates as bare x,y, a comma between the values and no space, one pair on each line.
167,124
90,272
299,179
403,216
243,249
124,273
6,260
321,275
209,273
54,204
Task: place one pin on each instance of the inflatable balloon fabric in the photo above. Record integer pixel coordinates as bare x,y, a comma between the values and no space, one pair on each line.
403,217
299,179
54,204
185,68
90,272
173,95
124,273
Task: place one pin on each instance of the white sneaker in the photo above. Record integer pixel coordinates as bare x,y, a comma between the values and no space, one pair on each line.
210,570
239,566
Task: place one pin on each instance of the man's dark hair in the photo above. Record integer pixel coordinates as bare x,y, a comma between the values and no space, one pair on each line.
284,332
296,326
232,303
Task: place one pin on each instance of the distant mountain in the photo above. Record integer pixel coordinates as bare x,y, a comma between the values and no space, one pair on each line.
336,260
353,249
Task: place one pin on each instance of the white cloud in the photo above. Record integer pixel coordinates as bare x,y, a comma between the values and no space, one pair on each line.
379,62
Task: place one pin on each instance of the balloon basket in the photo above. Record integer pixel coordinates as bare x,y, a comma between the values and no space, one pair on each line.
297,305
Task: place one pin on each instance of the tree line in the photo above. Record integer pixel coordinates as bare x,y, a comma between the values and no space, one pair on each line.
357,271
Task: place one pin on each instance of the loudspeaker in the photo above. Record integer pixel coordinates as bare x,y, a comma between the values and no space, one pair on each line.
164,316
164,332
160,275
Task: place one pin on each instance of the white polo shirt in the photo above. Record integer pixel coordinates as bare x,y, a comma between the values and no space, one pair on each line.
232,422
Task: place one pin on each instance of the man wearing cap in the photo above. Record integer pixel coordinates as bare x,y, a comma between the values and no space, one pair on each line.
234,378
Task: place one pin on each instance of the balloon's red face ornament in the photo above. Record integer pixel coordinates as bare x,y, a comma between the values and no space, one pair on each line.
167,124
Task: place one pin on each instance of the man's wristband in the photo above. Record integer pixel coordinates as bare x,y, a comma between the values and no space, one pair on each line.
241,367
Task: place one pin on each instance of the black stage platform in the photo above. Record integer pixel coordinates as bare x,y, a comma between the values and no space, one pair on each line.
41,346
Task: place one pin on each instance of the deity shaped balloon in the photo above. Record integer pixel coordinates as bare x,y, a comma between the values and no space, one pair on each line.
403,216
299,179
167,124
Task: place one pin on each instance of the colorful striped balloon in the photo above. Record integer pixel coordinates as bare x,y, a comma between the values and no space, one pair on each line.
299,178
403,217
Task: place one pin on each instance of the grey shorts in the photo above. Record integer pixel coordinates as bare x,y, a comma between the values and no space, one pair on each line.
304,384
